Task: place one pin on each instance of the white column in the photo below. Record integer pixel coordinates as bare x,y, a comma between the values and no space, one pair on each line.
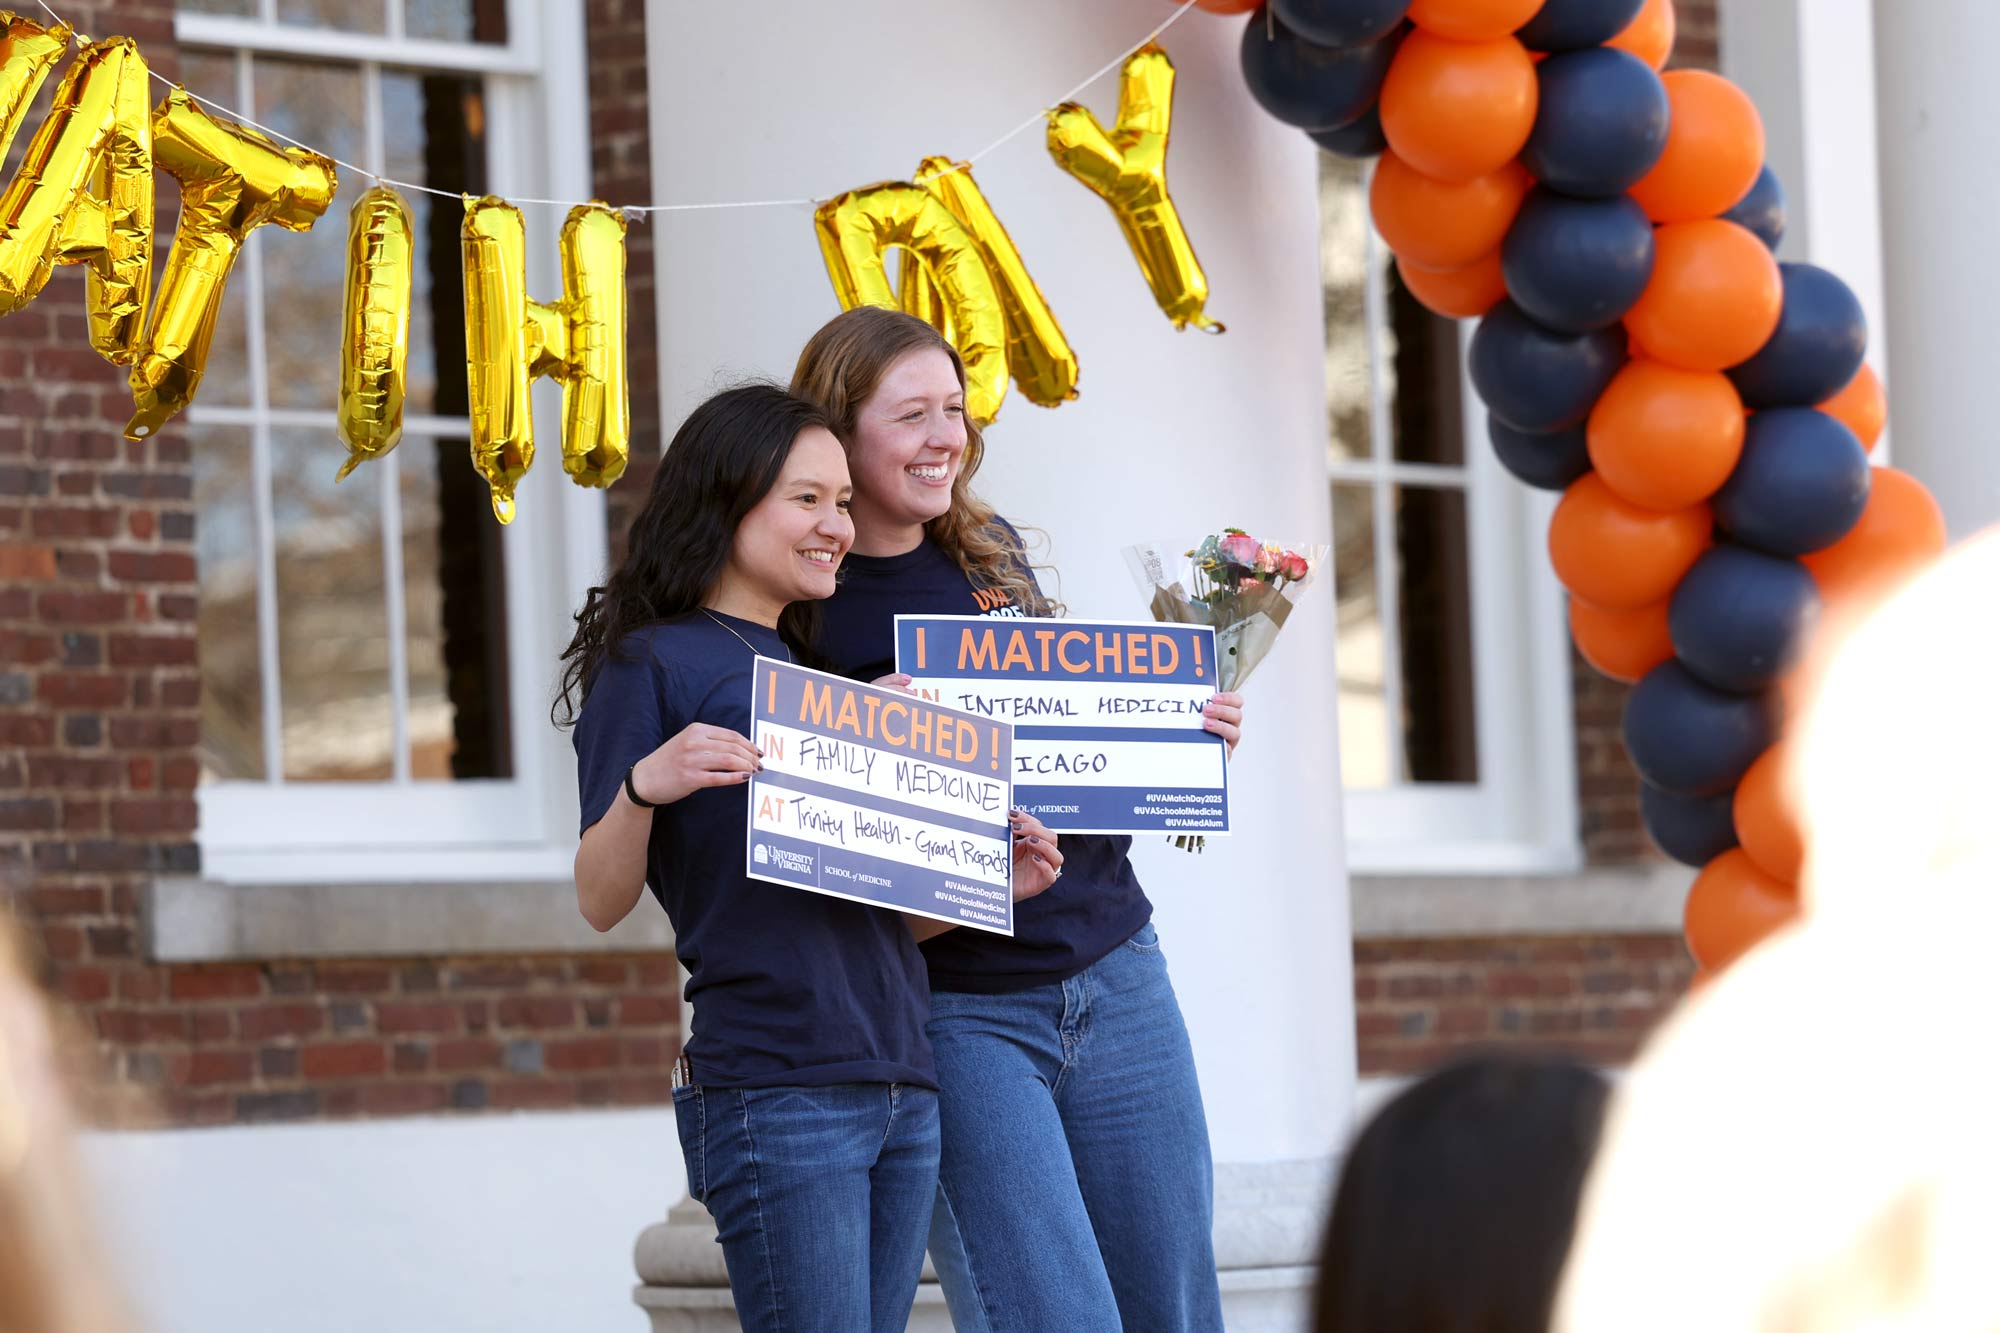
1939,102
1176,434
1810,67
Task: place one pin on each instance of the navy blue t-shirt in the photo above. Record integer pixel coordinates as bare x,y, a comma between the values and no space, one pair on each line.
1097,903
788,987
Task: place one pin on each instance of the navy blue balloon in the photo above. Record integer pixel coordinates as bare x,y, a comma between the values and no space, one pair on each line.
1577,264
1600,125
1739,617
1536,379
1692,739
1548,462
1364,138
1801,483
1694,830
1340,22
1763,209
1308,85
1571,25
1821,339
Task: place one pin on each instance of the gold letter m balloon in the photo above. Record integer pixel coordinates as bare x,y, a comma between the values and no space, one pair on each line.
511,341
1128,168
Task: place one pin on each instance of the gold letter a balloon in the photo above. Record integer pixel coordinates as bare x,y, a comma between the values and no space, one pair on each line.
1127,167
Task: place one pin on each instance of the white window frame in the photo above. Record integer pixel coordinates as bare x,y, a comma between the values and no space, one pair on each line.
1521,815
514,829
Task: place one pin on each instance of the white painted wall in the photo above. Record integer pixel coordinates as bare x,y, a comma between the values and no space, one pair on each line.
1175,434
505,1224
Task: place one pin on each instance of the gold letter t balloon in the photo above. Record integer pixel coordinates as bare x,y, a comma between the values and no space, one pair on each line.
1128,169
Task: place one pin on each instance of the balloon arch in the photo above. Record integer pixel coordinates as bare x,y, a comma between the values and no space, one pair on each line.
1703,408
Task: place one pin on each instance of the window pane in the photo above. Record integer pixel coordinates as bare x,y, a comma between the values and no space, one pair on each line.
304,272
1343,211
232,696
339,15
246,9
1364,712
456,607
1428,415
1434,617
433,128
456,20
333,648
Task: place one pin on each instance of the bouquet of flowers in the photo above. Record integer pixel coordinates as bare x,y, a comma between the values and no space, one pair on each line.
1243,588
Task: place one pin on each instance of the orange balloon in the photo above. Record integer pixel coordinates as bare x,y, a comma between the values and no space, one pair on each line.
1472,20
1460,293
1623,645
1617,556
1715,148
1901,530
1861,406
1714,297
1767,824
1666,438
1731,907
1459,110
1443,225
1650,35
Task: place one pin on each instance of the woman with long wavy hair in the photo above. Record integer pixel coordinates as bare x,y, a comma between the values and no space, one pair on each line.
806,1097
1075,1186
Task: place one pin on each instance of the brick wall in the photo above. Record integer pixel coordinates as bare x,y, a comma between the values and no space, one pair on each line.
1419,1001
1607,785
99,720
622,167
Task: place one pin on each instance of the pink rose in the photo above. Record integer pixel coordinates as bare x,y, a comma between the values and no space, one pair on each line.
1267,560
1239,550
1292,565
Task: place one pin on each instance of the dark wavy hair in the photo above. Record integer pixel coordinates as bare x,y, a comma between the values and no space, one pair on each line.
725,458
1456,1204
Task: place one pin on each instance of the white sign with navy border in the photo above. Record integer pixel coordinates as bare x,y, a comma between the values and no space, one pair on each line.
1107,714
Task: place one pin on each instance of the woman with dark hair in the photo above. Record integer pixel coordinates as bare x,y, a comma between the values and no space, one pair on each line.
806,1097
1457,1203
1075,1189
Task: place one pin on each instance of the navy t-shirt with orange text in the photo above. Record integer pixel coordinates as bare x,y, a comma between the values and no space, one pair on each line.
788,987
1097,904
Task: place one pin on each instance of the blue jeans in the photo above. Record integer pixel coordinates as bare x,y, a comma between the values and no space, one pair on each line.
1075,1190
821,1198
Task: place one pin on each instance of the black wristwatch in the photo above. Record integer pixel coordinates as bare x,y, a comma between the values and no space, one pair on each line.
632,793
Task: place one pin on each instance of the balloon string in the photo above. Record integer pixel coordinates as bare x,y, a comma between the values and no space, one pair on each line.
641,210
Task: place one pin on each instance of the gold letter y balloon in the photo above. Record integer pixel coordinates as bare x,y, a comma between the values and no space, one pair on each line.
511,341
232,180
374,327
1128,168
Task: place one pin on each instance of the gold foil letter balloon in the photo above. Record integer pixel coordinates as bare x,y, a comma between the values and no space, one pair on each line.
374,327
1128,168
511,341
1038,355
232,181
84,191
857,230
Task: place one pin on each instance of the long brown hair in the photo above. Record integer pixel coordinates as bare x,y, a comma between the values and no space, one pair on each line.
840,367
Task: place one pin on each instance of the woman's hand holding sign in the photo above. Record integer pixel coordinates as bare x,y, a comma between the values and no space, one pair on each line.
1224,717
1037,862
698,756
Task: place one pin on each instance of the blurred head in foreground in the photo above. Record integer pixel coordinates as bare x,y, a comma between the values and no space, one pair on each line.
52,1275
1456,1203
1810,1144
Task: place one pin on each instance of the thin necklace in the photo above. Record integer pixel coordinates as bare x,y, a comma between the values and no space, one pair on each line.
745,642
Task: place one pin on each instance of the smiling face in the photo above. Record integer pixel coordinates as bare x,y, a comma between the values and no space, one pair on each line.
908,446
788,547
